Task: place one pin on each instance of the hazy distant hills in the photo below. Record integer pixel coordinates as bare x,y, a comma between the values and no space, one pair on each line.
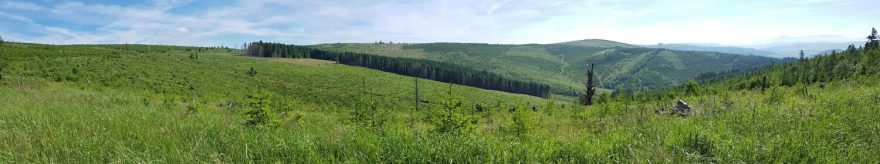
564,65
776,50
721,49
597,43
810,48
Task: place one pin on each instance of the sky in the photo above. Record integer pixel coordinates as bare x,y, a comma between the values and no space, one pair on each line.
233,22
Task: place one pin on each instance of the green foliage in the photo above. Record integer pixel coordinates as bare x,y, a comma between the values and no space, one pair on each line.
523,122
692,88
369,115
564,65
109,112
252,72
261,113
439,71
451,118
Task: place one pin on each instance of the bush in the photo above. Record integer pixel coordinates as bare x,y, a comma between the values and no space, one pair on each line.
261,114
252,72
523,122
370,116
452,119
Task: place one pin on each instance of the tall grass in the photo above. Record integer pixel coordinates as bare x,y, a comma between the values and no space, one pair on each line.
138,109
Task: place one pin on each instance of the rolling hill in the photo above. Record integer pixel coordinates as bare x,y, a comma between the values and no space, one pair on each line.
140,103
563,65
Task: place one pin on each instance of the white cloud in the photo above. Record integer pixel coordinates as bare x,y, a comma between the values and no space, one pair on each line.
182,30
494,21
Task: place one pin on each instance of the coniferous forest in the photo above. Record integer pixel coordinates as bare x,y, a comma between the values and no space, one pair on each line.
444,72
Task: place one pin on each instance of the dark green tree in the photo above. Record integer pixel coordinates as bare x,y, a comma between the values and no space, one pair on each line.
692,88
802,55
261,113
417,93
873,43
591,87
765,84
252,72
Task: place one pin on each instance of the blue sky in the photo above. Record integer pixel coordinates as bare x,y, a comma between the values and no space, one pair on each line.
233,22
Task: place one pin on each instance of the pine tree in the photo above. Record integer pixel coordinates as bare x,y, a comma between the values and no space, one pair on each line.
591,87
802,55
417,93
252,72
872,40
692,88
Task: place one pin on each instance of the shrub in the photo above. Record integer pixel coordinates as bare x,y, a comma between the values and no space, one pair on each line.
692,88
369,115
261,114
523,122
452,119
252,72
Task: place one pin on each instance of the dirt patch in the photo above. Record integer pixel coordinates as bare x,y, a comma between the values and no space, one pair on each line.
306,62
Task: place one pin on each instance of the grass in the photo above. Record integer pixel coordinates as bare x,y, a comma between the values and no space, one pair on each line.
305,62
564,65
134,106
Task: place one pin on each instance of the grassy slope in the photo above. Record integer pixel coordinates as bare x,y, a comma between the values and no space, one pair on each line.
121,117
218,76
563,65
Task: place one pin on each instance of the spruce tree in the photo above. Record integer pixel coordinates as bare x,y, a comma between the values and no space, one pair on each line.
252,72
802,55
872,40
591,87
417,93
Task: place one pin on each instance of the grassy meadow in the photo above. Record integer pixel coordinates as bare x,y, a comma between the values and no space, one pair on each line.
169,104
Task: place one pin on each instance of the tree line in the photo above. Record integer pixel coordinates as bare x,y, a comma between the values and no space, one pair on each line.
852,62
439,71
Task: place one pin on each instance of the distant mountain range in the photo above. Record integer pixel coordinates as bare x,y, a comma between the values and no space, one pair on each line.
780,47
775,50
719,48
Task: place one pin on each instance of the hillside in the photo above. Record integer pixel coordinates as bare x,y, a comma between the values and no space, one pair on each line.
421,68
214,76
563,65
135,103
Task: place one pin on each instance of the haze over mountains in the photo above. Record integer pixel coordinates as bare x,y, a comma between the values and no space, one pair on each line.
780,47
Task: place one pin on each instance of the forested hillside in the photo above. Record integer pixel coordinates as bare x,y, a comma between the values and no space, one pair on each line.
853,62
444,72
563,66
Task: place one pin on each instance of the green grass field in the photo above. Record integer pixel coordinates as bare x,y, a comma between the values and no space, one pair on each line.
162,104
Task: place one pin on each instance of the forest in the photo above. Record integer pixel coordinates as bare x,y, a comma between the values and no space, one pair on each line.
439,71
